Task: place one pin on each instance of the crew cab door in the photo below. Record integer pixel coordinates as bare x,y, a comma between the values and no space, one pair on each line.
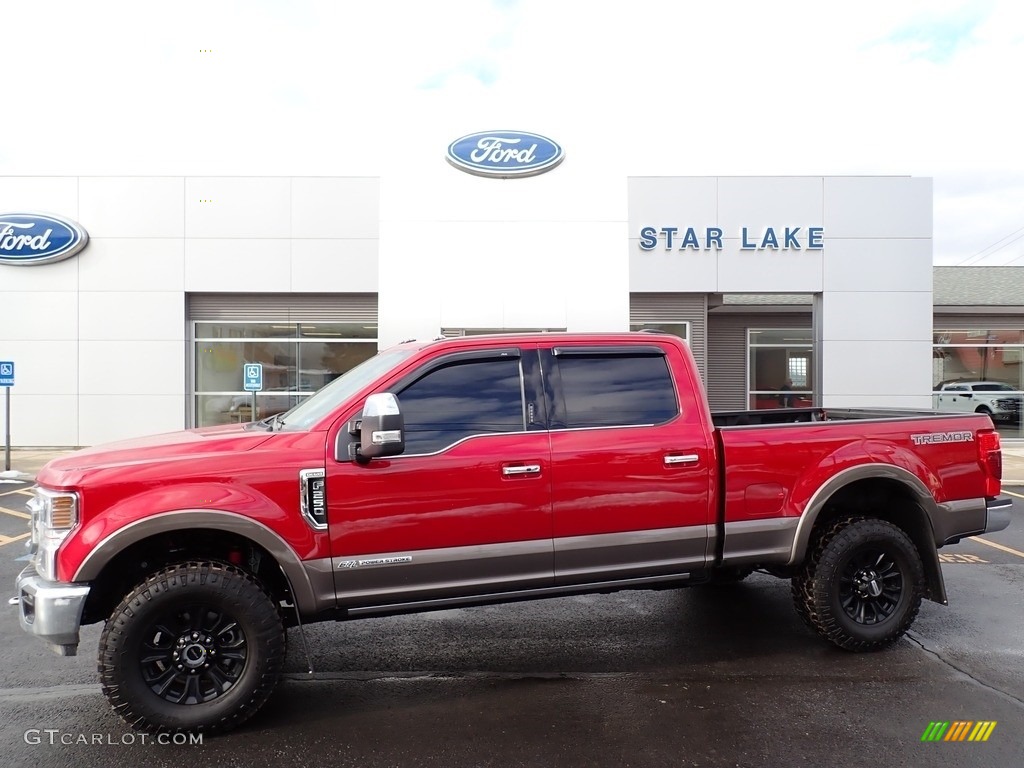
630,466
466,509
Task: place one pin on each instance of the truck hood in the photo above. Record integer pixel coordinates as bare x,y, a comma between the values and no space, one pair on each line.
191,443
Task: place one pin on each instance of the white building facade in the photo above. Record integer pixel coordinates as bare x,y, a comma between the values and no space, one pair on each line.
819,286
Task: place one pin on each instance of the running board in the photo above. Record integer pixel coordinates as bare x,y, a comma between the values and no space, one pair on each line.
466,601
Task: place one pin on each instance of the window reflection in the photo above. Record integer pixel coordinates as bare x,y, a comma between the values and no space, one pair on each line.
979,371
780,368
462,399
605,391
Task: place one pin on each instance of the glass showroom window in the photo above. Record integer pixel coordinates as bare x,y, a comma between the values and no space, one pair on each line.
979,371
297,358
779,370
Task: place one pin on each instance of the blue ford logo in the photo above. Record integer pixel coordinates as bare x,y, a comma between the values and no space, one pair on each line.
504,154
38,238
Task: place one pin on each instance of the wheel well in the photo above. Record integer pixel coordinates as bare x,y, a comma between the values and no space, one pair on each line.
135,563
895,502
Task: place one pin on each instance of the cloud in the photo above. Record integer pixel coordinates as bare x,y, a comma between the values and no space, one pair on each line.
937,36
484,71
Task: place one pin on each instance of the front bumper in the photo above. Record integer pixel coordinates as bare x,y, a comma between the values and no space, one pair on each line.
997,513
52,611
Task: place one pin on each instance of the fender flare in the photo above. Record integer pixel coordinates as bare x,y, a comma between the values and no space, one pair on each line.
874,471
296,572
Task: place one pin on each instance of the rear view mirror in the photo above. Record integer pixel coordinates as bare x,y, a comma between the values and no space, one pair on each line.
382,431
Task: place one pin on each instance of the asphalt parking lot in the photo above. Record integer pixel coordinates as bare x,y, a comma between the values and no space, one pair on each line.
697,677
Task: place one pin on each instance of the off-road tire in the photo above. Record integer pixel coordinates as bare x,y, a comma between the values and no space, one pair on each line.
862,584
195,647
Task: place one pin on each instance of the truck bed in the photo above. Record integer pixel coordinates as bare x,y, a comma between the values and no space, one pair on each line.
727,419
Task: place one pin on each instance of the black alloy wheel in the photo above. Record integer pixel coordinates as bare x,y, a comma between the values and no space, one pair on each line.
870,586
861,585
197,647
193,654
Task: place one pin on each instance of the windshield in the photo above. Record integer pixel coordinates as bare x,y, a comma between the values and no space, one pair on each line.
317,406
993,388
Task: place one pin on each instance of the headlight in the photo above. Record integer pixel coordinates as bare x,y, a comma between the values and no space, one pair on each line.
54,514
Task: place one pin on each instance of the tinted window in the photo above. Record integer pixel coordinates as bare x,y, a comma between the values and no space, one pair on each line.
616,390
462,399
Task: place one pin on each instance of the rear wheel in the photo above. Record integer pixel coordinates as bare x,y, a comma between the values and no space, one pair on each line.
195,647
862,585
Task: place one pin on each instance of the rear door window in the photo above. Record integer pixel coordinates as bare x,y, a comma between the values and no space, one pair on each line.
613,389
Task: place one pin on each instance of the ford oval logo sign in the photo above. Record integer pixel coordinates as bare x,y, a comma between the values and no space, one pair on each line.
504,154
38,238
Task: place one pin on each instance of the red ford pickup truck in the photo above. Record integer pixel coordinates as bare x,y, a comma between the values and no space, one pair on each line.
479,470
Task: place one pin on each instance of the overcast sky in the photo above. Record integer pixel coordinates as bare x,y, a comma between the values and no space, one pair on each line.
302,87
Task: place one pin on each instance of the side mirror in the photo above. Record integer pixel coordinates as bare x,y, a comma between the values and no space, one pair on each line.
968,395
382,431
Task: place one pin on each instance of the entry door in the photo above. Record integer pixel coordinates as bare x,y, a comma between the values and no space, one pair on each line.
631,472
466,509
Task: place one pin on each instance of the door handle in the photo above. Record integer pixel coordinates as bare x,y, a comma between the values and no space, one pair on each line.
686,458
526,469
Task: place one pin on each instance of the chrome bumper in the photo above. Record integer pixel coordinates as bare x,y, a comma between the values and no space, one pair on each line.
50,610
997,513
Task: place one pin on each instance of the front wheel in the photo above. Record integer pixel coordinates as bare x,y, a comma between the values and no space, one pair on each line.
196,647
862,585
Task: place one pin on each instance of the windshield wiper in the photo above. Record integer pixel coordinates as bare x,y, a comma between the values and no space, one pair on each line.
270,421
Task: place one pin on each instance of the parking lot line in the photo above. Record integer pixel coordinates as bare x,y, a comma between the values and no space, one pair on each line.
4,540
16,513
998,546
25,492
1011,493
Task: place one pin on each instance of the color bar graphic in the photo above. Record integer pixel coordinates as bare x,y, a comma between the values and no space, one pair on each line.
958,730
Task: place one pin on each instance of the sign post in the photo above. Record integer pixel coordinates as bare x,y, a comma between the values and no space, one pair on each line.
7,381
252,376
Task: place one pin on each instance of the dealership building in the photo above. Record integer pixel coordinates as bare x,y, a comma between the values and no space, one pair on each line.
792,290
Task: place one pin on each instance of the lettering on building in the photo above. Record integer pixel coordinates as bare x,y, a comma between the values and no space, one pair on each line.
711,238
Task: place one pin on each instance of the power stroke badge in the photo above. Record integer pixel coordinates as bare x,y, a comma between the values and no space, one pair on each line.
397,560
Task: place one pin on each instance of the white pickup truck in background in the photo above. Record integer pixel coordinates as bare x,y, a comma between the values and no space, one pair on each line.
995,398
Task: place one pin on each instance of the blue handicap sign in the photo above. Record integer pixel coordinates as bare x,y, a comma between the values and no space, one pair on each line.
6,373
252,373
